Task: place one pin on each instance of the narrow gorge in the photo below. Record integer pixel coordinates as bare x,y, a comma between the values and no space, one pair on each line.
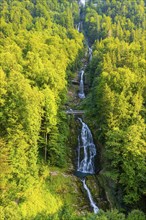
86,151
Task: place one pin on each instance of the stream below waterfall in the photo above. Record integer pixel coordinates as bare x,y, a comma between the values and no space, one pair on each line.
92,203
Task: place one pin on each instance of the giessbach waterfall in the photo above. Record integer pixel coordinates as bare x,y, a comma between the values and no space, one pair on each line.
86,150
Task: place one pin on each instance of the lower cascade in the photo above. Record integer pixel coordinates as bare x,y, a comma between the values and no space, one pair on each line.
86,154
85,144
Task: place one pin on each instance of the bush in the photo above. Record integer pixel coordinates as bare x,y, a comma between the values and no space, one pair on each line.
136,215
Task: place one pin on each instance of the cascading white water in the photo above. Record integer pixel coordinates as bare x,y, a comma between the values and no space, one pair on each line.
90,53
86,161
79,26
93,205
82,2
86,148
86,145
81,92
79,146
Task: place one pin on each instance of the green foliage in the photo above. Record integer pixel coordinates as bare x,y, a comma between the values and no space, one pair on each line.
116,99
136,215
109,215
65,213
41,200
39,52
39,46
116,18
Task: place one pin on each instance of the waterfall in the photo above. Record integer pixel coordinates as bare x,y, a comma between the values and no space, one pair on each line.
90,53
92,203
88,150
86,154
79,146
79,26
81,93
82,2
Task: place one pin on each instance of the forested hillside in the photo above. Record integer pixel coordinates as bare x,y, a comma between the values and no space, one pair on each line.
40,51
116,102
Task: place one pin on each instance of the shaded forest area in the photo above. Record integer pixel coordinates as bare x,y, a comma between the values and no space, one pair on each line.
40,51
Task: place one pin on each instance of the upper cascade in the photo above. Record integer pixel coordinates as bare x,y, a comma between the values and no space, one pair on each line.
82,2
86,150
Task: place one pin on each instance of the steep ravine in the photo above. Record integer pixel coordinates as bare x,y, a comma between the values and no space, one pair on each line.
94,182
76,93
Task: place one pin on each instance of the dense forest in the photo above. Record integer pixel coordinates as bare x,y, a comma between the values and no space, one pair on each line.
41,50
116,99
